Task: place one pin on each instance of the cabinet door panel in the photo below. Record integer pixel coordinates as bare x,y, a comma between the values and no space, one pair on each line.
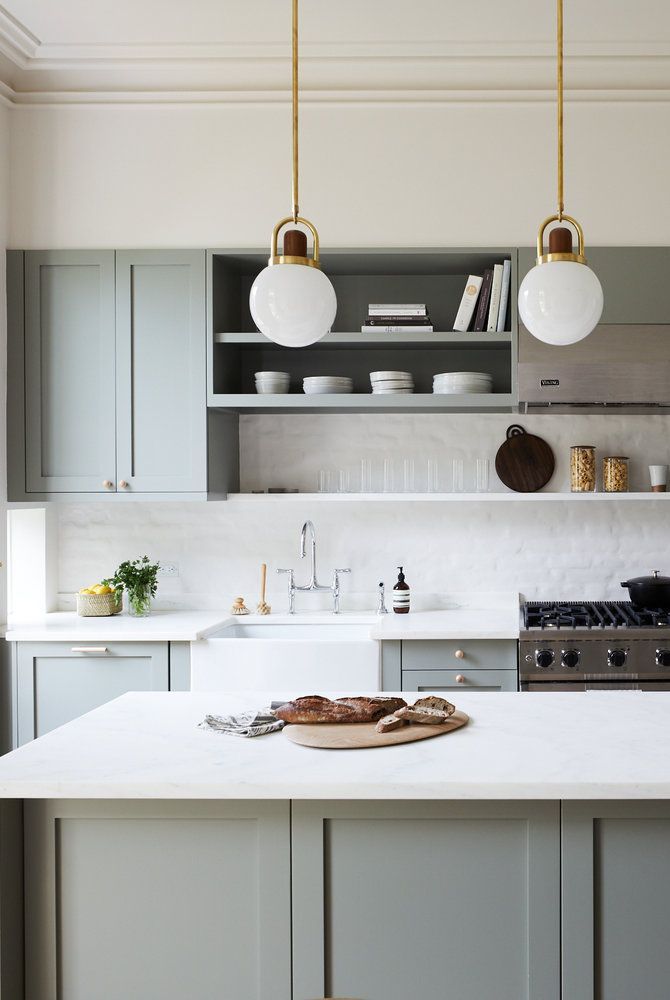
414,899
57,684
478,654
148,900
161,374
446,680
69,357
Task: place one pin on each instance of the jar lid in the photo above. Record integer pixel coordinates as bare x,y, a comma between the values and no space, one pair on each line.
591,447
616,458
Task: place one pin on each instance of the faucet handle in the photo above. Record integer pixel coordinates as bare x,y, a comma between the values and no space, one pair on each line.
343,571
291,590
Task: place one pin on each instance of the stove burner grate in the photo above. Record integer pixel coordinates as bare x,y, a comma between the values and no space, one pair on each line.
592,615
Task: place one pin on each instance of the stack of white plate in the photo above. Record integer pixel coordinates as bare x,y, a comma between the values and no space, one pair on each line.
273,382
391,383
462,383
329,384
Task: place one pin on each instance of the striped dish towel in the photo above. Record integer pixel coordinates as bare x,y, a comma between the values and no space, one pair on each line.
251,723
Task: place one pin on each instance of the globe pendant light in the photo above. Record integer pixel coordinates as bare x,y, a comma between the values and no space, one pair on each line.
560,299
292,301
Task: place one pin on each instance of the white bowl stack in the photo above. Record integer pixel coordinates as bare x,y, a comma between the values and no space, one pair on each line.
327,384
272,382
390,383
462,383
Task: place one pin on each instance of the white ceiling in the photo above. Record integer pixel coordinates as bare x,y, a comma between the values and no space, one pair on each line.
84,50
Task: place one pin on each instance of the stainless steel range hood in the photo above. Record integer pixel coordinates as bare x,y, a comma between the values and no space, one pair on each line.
616,366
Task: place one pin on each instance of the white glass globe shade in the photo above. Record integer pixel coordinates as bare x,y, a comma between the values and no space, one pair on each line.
293,304
560,302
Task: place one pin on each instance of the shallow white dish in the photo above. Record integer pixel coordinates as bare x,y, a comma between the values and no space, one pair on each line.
394,384
327,380
272,390
275,375
332,390
391,392
459,391
380,376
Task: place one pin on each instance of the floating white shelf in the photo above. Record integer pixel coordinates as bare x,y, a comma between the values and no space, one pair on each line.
506,497
443,338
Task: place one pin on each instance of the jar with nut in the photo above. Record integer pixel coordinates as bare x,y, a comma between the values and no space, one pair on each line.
582,468
615,474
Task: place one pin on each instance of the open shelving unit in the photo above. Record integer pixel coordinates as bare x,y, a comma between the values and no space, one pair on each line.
236,350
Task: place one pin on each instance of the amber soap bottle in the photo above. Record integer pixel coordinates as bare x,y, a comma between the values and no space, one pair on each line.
401,595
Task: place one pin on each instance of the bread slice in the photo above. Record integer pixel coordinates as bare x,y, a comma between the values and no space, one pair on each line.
425,716
389,723
433,701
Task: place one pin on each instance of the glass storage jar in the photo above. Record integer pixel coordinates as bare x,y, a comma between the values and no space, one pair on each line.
615,474
583,468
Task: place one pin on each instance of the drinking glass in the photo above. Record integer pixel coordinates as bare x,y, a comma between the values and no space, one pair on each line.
457,475
408,482
482,475
389,476
343,481
366,475
324,481
432,476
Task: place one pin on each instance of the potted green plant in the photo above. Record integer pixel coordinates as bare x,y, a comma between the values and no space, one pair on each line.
138,579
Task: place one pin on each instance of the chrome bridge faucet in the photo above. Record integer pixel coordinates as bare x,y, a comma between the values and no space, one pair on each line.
313,585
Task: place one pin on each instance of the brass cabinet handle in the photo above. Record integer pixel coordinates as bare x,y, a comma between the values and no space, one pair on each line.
108,484
460,678
459,654
88,649
123,484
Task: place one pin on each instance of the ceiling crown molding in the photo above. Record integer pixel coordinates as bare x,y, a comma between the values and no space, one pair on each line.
35,73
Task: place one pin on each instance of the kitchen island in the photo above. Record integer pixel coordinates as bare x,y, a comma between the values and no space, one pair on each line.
523,857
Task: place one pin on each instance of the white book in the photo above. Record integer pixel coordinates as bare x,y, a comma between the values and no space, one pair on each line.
494,305
468,302
397,329
504,296
396,309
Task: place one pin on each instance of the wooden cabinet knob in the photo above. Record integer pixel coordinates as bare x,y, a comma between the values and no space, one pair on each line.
108,484
123,484
459,654
460,678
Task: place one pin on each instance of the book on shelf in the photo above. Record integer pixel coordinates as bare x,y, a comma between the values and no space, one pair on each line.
494,303
413,328
394,320
504,296
481,315
468,302
397,309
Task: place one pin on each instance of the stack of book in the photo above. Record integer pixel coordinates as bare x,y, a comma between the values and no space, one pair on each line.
394,317
485,301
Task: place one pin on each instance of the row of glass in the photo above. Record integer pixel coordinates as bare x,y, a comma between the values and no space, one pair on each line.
408,475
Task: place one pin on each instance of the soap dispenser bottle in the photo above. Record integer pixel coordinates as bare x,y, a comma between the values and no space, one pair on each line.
401,595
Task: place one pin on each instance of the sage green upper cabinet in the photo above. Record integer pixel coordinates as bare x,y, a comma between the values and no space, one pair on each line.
161,415
69,374
107,377
634,279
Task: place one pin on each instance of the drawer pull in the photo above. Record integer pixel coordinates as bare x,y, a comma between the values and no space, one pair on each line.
460,678
88,649
459,654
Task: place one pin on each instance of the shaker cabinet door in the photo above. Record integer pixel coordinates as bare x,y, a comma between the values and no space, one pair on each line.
69,371
161,371
459,680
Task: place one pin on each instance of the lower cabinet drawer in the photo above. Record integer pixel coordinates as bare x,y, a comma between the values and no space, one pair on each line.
469,654
459,680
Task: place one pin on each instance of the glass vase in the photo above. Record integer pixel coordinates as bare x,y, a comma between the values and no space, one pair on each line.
139,603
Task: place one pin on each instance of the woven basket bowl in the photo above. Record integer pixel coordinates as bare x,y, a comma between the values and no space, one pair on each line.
98,605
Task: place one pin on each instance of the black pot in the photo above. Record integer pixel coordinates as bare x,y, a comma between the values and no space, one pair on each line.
649,591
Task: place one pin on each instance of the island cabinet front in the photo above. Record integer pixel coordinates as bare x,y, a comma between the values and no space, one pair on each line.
420,900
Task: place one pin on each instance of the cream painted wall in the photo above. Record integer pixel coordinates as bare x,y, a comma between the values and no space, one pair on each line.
407,174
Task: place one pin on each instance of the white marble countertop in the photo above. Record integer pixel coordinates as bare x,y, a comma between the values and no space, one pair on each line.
461,616
595,745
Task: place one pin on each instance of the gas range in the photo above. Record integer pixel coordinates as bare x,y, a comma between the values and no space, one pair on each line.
603,645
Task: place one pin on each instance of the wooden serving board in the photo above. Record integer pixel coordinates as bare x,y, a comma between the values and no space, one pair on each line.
524,462
357,735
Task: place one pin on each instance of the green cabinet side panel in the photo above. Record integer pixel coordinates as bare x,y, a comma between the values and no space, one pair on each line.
391,665
161,375
474,915
180,666
69,371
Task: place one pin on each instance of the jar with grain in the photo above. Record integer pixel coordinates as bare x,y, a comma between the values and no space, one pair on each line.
615,474
582,468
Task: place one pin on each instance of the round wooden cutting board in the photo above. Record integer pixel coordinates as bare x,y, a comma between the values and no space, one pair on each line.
358,735
524,462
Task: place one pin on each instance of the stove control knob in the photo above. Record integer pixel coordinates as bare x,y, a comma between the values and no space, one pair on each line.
616,657
570,658
663,657
544,657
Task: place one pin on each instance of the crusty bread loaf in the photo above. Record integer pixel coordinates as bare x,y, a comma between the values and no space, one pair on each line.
316,709
432,701
379,705
426,716
389,723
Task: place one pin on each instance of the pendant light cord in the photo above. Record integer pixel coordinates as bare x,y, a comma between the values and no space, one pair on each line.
559,88
294,62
